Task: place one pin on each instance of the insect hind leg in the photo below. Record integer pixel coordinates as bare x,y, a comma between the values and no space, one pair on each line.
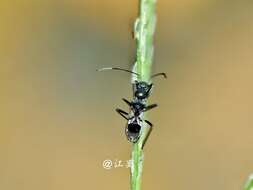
149,131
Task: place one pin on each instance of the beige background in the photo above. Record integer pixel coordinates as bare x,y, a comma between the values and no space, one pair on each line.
57,118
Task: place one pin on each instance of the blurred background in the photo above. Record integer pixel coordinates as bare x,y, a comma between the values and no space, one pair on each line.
57,115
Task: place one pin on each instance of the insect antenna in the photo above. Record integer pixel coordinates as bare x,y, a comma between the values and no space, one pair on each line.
117,68
159,74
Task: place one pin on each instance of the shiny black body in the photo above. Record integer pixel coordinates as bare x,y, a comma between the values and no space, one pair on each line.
133,130
134,121
134,124
141,91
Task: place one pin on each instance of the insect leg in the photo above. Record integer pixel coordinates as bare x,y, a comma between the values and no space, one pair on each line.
150,107
150,87
122,113
149,131
149,123
128,103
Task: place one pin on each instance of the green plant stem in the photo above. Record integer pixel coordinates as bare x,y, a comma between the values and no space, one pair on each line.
143,32
249,184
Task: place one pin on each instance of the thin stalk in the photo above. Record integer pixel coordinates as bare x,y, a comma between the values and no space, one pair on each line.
144,33
249,183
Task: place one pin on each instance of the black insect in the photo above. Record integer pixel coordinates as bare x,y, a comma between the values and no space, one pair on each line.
141,91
